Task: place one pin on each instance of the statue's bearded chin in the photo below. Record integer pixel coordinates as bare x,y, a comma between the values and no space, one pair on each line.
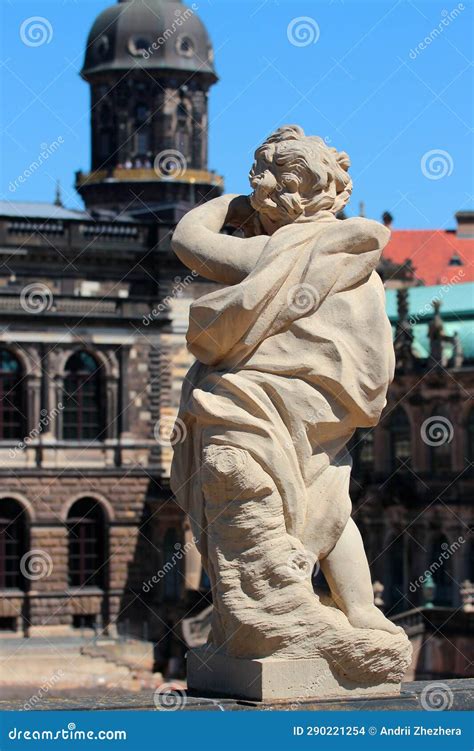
271,214
262,202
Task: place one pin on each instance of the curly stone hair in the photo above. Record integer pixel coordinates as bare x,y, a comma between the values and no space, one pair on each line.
294,174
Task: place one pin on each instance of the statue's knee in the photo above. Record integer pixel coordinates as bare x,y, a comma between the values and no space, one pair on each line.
230,473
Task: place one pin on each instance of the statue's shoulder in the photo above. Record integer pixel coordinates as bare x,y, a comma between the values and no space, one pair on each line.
359,230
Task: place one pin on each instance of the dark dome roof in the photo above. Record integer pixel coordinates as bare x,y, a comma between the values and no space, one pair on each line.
150,34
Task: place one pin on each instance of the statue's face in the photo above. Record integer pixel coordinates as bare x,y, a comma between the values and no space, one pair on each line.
264,181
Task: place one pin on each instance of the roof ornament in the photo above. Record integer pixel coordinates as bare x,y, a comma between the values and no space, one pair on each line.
439,339
58,201
387,219
403,342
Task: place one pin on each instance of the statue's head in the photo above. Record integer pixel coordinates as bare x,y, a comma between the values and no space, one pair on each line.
295,176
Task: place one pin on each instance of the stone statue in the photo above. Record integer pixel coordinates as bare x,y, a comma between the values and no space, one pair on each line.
293,354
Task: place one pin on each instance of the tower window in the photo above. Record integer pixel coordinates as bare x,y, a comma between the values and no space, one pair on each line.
83,413
185,46
12,422
142,141
182,116
138,46
105,144
102,46
141,113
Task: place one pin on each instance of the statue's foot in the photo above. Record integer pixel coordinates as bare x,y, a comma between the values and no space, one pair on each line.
372,617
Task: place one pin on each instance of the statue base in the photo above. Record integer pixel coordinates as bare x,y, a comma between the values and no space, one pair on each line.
211,673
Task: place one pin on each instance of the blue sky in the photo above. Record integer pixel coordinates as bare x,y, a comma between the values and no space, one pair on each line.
362,82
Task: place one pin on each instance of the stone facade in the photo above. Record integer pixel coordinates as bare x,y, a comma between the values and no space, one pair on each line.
104,283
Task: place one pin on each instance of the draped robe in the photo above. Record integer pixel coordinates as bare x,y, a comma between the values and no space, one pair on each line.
289,362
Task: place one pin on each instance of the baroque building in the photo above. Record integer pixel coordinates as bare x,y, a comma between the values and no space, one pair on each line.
413,480
92,357
93,311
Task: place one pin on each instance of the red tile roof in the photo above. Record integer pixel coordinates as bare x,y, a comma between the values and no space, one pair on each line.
430,252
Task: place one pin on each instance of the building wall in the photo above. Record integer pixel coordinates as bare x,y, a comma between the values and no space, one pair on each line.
405,511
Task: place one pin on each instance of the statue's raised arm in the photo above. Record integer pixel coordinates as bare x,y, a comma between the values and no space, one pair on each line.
199,244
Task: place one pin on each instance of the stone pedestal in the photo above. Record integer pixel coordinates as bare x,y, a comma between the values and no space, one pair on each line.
211,673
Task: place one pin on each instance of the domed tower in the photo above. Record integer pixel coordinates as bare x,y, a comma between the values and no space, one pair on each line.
149,64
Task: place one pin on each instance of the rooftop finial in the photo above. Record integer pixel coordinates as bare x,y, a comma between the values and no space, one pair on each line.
57,199
387,219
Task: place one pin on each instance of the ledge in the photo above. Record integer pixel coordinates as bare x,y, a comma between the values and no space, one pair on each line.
143,174
459,691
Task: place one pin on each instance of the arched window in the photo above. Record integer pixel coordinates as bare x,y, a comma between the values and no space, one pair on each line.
83,402
363,451
87,544
13,543
12,417
142,130
440,570
172,561
142,141
182,116
440,432
400,439
104,144
142,113
183,130
105,132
